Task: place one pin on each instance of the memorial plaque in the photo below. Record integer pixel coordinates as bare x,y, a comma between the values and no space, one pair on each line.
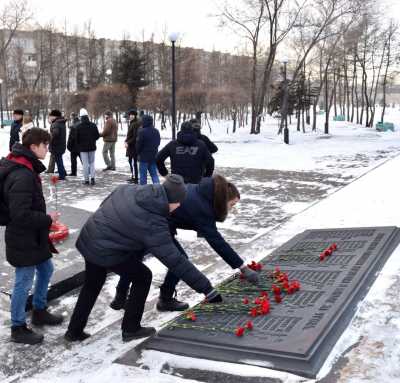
298,333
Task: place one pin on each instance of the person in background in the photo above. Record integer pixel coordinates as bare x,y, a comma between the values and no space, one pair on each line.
18,115
86,136
110,136
72,145
58,142
27,123
130,223
147,143
130,145
189,156
212,148
28,248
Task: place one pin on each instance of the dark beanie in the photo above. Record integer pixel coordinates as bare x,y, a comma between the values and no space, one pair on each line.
19,112
175,188
55,113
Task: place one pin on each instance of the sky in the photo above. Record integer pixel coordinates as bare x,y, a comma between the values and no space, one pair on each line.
193,19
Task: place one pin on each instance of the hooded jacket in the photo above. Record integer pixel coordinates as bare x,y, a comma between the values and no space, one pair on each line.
58,142
189,156
131,222
86,135
148,140
27,231
197,212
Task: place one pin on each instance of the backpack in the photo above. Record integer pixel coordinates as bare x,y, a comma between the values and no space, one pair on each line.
4,212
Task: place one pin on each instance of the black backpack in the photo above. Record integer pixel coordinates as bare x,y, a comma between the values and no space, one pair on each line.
4,212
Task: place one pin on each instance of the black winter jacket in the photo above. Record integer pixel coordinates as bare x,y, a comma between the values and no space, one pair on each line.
148,140
212,148
196,213
189,156
27,232
86,135
14,132
71,143
131,137
58,141
132,221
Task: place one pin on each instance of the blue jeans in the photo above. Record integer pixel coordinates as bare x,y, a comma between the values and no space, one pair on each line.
23,283
152,168
60,166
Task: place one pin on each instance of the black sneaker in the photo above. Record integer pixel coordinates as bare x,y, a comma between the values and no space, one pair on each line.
142,332
71,337
118,302
43,317
106,169
171,304
71,174
25,335
92,182
85,183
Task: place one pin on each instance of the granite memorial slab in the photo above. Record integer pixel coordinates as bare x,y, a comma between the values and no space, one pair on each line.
297,334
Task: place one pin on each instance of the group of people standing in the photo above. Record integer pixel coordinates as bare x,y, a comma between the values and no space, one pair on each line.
132,222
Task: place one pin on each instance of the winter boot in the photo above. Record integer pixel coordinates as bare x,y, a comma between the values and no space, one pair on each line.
171,304
25,335
43,317
142,332
118,302
85,183
92,181
71,337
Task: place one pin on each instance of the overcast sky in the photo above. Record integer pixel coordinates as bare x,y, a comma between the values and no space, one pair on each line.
113,18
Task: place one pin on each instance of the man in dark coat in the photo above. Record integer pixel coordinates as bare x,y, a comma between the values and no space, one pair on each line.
71,143
130,223
87,134
130,145
212,148
27,233
189,156
58,142
147,143
205,204
16,125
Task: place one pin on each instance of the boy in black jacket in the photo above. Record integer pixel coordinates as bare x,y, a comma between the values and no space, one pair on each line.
27,233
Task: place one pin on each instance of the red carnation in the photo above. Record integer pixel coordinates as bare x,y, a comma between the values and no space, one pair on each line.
253,312
322,256
264,294
54,179
276,289
257,301
265,307
333,246
249,325
245,301
239,331
327,252
278,299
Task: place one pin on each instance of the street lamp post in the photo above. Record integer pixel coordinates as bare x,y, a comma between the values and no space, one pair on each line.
1,101
285,103
173,37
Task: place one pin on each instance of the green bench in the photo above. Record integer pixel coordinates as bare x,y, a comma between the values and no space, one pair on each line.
384,126
7,123
339,117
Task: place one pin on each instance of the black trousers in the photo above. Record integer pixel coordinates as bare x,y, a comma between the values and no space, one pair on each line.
134,166
74,162
137,273
167,289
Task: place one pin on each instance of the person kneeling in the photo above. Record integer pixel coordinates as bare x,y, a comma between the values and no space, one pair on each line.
130,223
27,233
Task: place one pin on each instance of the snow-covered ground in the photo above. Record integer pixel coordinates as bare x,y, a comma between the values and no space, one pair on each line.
368,350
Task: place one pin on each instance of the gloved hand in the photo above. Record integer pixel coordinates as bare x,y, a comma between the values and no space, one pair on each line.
213,297
251,275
